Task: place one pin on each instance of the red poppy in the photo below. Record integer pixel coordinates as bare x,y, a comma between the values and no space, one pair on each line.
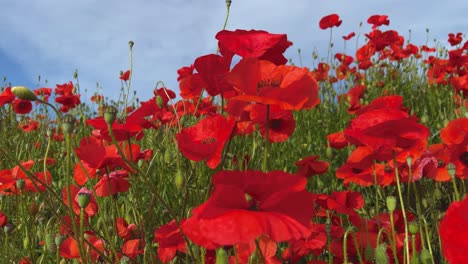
125,76
124,230
310,166
69,248
453,230
184,72
455,136
378,20
115,182
384,39
354,97
90,210
281,123
6,96
241,110
22,106
322,71
289,87
254,44
437,170
330,21
43,93
97,98
205,140
387,132
349,36
314,244
66,96
133,247
170,240
247,204
427,49
95,155
455,39
9,179
337,140
29,125
211,75
3,219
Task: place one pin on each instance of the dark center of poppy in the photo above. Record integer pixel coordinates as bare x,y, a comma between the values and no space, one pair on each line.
275,124
253,204
440,163
387,169
267,84
209,140
464,158
356,170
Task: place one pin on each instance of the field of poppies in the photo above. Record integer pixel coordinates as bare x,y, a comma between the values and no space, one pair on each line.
359,158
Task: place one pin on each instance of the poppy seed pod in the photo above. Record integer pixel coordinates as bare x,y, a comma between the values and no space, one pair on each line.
23,93
68,124
381,254
110,114
451,169
413,227
391,203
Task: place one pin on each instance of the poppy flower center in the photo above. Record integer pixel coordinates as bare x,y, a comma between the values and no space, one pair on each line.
464,158
440,163
264,84
275,124
209,140
356,170
253,204
387,169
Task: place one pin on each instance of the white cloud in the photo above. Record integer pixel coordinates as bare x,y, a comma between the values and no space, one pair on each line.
54,38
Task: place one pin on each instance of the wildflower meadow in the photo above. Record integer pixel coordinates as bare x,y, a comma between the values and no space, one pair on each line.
360,157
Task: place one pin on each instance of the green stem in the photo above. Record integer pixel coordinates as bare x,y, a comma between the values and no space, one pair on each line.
267,128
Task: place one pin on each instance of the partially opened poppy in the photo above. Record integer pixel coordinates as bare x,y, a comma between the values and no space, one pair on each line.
378,20
6,96
205,140
330,21
115,182
247,204
66,96
170,240
310,166
3,219
125,76
254,44
289,87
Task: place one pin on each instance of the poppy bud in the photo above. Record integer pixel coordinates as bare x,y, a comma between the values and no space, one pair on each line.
68,124
179,180
329,152
110,114
451,169
159,101
425,256
391,203
437,194
424,118
381,254
167,156
413,227
26,242
23,93
125,260
50,242
50,131
369,252
221,257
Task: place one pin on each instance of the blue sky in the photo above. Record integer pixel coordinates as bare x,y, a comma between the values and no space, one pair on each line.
52,38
